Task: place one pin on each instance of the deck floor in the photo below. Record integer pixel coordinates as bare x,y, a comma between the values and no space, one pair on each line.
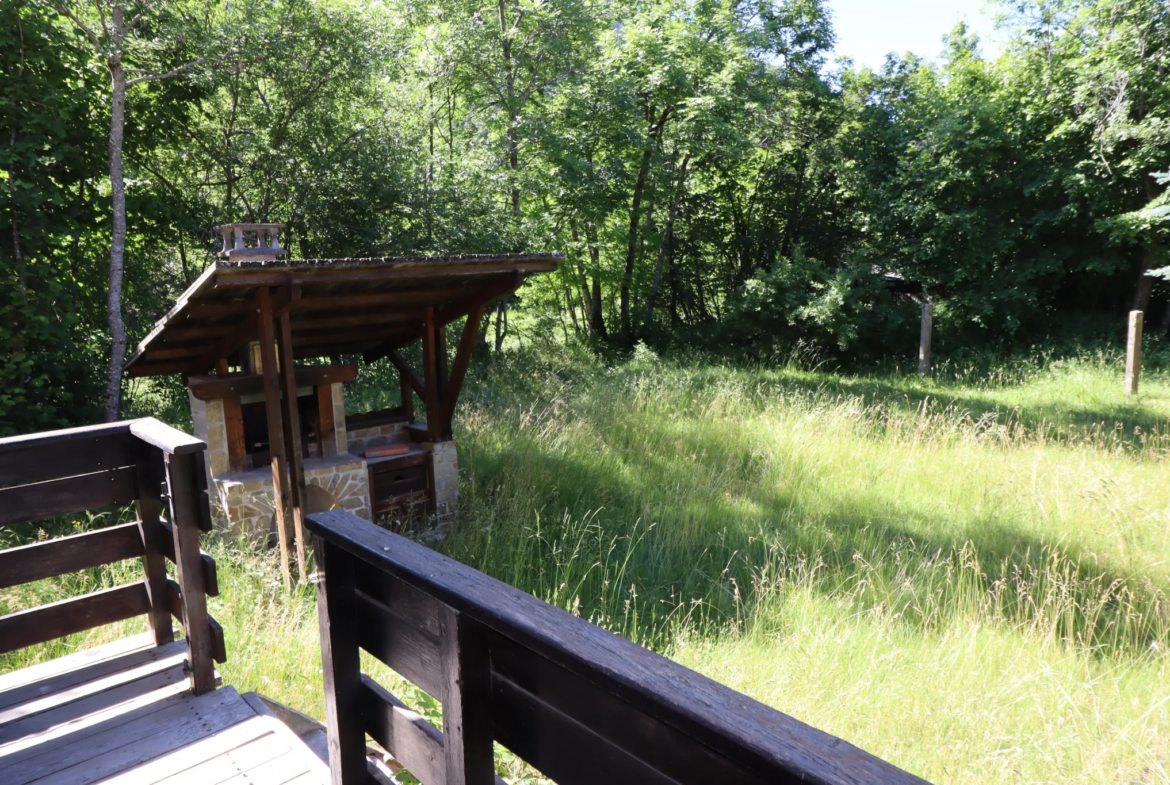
123,713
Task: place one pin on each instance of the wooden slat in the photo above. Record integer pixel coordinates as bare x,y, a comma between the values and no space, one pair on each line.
61,755
446,272
154,538
224,767
176,607
751,740
62,497
292,431
58,619
326,428
403,601
467,700
69,554
233,422
26,461
84,658
431,377
73,730
276,446
413,741
207,562
340,665
98,708
164,749
64,690
212,388
462,359
536,693
182,471
88,670
170,440
400,644
570,753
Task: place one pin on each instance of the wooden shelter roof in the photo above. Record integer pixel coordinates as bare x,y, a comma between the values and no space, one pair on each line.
335,306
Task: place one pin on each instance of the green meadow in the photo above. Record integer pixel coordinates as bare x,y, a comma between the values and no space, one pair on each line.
968,576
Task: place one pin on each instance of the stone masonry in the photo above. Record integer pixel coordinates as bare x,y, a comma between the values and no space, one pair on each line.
337,481
446,469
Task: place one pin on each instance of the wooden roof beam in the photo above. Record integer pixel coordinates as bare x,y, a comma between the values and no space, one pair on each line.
243,333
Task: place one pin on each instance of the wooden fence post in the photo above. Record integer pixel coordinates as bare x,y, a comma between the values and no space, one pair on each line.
340,664
150,479
467,720
924,338
185,515
1133,353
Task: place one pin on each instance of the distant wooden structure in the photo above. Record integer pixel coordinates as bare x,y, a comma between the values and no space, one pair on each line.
578,703
250,317
1133,352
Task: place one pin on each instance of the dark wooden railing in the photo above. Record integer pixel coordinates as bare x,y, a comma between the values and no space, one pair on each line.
141,461
578,703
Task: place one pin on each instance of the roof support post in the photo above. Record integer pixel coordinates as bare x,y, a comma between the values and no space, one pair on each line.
459,369
292,425
431,377
275,426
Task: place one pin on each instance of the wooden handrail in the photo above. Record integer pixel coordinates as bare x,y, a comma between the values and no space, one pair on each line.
580,704
69,471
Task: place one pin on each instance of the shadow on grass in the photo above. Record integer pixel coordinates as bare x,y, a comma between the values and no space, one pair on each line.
724,557
1128,422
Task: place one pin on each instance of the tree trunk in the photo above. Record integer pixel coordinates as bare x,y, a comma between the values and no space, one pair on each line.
667,236
1149,258
632,246
118,193
596,311
513,131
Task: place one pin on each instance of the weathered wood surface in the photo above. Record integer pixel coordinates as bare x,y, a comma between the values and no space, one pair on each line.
214,388
581,703
340,667
137,456
121,713
28,459
51,558
1133,352
348,305
276,445
77,614
182,474
68,495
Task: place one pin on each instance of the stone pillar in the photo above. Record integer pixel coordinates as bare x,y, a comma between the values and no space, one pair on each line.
342,439
446,471
208,423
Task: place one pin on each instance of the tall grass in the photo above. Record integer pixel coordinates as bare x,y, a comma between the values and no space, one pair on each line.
966,575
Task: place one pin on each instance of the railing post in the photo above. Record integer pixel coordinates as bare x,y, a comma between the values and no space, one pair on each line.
150,479
467,721
340,664
185,516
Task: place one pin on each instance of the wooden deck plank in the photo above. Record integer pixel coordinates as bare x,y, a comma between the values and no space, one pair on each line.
108,699
177,761
76,684
166,746
60,754
91,725
275,772
70,662
231,763
299,746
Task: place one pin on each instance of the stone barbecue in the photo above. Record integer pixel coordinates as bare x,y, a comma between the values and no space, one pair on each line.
266,345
